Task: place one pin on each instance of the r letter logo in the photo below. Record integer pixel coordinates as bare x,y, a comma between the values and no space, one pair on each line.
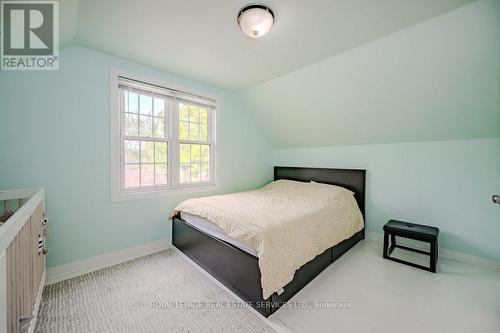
30,35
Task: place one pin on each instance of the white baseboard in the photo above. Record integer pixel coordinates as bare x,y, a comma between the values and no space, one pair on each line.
450,254
76,268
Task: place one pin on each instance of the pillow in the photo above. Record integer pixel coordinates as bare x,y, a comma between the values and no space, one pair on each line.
331,186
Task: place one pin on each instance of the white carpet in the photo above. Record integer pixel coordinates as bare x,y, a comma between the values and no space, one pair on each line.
157,293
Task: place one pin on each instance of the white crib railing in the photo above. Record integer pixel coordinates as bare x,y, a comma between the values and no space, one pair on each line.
22,258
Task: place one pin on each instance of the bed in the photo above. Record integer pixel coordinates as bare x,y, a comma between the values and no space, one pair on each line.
238,268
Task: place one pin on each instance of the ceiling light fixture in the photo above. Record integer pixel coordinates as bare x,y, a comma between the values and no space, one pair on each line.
255,20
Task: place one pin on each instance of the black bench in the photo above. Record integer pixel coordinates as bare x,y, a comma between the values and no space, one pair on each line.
419,232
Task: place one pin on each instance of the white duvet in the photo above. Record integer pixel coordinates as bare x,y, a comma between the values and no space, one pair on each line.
287,223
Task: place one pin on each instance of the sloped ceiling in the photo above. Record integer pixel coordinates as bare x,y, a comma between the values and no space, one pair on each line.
437,80
200,39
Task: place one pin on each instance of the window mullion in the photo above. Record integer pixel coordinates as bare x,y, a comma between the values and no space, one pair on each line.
211,137
175,165
154,163
138,114
168,136
190,163
138,138
195,142
122,141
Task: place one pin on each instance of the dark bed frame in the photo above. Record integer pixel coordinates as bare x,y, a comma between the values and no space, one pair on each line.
239,271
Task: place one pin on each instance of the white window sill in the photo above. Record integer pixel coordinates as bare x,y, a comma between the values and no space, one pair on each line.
148,194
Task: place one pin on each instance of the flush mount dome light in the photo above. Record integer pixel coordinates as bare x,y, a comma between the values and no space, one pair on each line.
255,20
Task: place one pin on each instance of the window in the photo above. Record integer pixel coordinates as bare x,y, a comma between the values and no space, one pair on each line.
163,139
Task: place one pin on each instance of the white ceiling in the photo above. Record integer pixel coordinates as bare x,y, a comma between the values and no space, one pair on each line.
200,39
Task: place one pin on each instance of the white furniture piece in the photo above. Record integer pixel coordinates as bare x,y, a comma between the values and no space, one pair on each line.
22,258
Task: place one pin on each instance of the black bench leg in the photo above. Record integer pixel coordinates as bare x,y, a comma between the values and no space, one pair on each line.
386,244
433,256
437,251
393,244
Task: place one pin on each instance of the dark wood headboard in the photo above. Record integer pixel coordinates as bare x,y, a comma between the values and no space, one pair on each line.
350,179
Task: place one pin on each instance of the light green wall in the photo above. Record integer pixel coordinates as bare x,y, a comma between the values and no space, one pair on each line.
437,80
448,184
54,133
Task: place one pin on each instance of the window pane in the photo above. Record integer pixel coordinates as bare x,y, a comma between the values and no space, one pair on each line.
183,112
185,173
160,152
194,113
133,100
146,105
194,131
131,150
195,173
146,126
159,107
204,116
160,174
195,153
159,127
185,153
131,175
147,152
205,153
131,124
147,174
205,172
183,130
203,132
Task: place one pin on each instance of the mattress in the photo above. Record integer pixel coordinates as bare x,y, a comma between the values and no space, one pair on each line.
288,223
213,230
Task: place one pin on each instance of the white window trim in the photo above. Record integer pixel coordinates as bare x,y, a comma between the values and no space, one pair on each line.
174,188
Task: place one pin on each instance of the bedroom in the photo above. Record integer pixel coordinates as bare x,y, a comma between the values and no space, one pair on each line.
391,108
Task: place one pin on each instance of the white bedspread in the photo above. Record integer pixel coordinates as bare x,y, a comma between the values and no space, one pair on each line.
287,223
